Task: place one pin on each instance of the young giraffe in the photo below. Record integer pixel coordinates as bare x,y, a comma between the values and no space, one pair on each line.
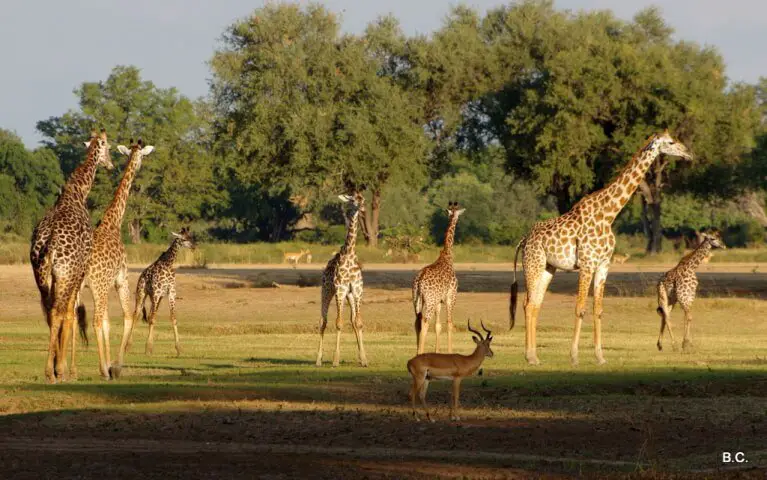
582,240
156,281
342,279
108,265
60,251
680,284
434,285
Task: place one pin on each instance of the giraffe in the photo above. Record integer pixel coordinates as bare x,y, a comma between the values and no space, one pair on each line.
679,285
108,266
582,240
434,285
59,254
156,281
342,279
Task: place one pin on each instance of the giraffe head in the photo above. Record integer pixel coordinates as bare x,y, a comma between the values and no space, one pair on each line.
714,238
483,343
99,145
668,145
185,238
138,149
453,210
354,203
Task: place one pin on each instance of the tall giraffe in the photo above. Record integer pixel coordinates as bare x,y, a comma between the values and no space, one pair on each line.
680,284
108,266
436,284
342,279
59,254
582,240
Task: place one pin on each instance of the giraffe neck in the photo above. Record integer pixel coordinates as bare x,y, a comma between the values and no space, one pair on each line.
619,192
169,256
116,210
351,235
447,248
697,256
80,182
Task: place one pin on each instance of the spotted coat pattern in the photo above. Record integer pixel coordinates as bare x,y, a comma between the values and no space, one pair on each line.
158,280
680,284
61,248
582,240
434,285
342,279
108,265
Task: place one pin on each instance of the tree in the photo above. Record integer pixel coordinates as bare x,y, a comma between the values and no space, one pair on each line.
176,184
303,110
29,183
589,88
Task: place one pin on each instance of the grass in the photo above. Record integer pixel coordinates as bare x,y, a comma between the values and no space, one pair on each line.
247,375
14,253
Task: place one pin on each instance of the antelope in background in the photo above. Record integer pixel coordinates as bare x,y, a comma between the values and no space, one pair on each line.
294,257
621,258
447,366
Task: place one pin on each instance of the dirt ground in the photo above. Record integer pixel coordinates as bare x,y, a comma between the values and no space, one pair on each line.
230,414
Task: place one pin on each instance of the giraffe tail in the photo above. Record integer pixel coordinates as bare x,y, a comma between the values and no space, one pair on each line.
514,289
82,323
143,313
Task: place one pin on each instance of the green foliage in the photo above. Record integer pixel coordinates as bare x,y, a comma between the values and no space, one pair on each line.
29,183
176,183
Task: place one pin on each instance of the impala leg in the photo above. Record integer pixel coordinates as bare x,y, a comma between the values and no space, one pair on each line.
599,291
455,398
327,296
415,389
341,293
422,396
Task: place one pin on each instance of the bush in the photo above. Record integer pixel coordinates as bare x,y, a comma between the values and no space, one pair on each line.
744,234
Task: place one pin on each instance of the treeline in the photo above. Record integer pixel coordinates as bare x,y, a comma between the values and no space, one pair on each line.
516,114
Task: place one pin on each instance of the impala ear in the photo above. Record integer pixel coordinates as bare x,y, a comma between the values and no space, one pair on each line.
476,340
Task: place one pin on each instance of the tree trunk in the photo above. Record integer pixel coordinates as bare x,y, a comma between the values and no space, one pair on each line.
654,241
650,189
370,219
134,230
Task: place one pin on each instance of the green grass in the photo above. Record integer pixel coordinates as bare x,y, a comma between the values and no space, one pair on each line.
13,253
247,356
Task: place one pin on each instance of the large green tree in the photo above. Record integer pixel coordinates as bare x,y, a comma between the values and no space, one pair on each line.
176,184
303,110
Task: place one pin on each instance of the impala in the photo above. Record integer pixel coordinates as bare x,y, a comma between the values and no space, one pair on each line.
447,366
294,257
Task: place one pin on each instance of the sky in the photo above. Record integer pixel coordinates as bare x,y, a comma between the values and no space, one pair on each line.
49,47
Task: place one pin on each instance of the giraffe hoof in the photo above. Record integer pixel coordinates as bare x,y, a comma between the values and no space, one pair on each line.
533,361
601,361
660,347
318,363
115,371
574,362
335,364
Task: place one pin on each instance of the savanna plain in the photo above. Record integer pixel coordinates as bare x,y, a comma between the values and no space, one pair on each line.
244,398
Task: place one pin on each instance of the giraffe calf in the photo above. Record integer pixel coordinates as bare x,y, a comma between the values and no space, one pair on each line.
155,282
680,284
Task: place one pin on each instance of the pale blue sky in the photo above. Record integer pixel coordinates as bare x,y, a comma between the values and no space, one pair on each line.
49,47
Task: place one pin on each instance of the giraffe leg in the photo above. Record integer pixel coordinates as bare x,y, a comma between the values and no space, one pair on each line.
73,353
426,314
172,306
100,299
454,399
600,277
355,303
65,333
437,326
152,317
341,292
536,289
327,296
687,342
449,311
55,321
584,281
123,292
